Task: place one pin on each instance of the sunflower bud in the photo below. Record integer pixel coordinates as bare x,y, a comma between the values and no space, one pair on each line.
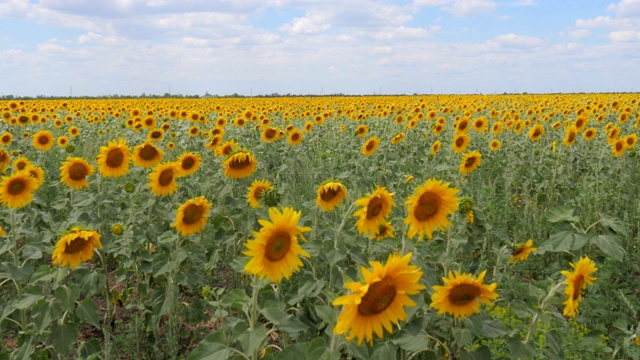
129,187
271,197
70,149
117,229
465,205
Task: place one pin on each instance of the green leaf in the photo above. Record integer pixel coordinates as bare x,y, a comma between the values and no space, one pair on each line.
87,311
482,353
327,314
43,273
555,345
283,321
462,336
236,299
563,241
41,313
614,224
610,245
212,347
90,348
64,337
485,327
560,214
250,339
67,295
297,351
411,342
310,287
317,348
517,349
384,352
25,350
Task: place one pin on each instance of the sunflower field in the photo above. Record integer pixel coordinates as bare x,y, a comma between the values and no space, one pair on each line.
373,227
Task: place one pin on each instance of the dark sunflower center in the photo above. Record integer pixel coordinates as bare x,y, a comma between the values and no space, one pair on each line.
43,140
577,286
470,161
6,139
165,178
518,251
75,246
462,126
571,137
378,298
370,145
536,133
192,214
295,137
148,152
619,145
115,158
277,245
23,119
17,186
227,150
21,165
257,193
188,163
235,163
463,294
428,205
375,207
329,194
156,135
78,172
459,142
270,133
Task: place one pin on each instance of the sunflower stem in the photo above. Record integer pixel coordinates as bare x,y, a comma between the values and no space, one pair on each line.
543,306
253,316
344,221
106,324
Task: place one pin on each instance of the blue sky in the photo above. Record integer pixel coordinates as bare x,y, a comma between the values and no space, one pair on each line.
252,47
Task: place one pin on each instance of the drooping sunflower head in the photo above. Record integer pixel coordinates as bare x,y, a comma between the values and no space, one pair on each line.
256,190
239,165
398,138
373,211
162,180
462,294
576,281
74,172
188,163
435,147
16,190
113,160
570,136
147,155
330,195
76,247
380,301
192,216
521,253
428,208
43,140
370,146
275,252
470,161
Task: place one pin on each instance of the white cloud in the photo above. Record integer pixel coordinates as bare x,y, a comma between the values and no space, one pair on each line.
14,8
579,33
624,36
515,40
626,8
312,23
471,8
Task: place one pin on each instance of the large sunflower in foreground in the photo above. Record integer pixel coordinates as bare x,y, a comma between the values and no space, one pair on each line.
522,252
188,163
76,247
370,146
114,158
239,165
380,301
192,216
428,208
147,155
16,190
74,172
162,180
461,294
330,194
373,211
43,140
470,161
275,251
576,281
254,194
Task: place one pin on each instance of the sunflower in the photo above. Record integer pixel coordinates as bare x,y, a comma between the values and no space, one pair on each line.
43,140
226,148
194,131
460,143
76,247
269,134
113,159
2,232
171,145
576,281
192,216
254,193
619,147
20,163
521,253
398,138
308,126
239,165
428,208
155,135
5,158
213,143
37,173
188,163
613,133
6,138
147,155
536,132
295,137
470,161
16,190
373,211
461,294
570,136
74,131
117,229
62,141
409,179
495,145
589,134
385,231
275,251
370,146
379,302
462,126
435,147
330,195
480,124
496,128
361,130
631,141
74,172
162,180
